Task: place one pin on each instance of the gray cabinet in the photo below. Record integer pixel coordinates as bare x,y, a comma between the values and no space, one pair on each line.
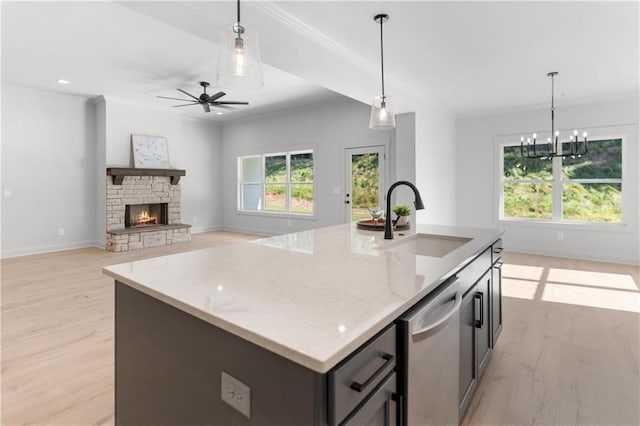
496,292
475,339
482,323
362,388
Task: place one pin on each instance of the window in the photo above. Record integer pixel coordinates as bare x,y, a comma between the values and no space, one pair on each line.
581,189
277,183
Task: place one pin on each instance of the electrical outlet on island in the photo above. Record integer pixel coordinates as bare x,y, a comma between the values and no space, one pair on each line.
236,394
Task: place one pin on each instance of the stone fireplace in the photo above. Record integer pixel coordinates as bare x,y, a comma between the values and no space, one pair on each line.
143,209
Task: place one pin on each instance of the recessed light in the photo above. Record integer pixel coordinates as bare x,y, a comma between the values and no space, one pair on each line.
219,113
62,81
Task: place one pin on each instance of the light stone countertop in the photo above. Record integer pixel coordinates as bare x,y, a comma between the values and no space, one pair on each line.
312,297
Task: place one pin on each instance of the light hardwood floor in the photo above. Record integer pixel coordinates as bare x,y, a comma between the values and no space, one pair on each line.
568,353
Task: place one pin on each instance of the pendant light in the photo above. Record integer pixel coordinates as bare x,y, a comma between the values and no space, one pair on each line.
239,65
549,150
382,117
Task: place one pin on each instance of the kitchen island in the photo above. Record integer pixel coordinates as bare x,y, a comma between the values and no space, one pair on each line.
279,314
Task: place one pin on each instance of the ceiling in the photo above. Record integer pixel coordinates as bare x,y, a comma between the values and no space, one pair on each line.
465,57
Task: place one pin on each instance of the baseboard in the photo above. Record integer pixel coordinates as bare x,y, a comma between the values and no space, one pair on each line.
202,229
553,253
49,248
248,231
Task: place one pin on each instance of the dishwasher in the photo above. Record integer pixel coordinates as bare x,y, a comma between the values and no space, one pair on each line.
429,350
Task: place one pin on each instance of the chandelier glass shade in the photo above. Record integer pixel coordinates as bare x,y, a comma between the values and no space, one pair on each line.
239,63
382,116
556,147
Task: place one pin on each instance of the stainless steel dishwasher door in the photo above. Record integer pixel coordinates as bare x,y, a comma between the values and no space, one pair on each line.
432,331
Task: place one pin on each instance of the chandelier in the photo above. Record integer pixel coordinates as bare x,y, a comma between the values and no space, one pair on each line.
551,149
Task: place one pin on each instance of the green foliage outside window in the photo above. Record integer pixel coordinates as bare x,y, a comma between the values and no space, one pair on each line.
583,201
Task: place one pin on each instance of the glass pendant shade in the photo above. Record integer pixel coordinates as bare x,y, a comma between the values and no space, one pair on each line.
239,62
382,117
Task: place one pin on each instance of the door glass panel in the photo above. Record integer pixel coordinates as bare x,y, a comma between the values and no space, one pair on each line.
365,184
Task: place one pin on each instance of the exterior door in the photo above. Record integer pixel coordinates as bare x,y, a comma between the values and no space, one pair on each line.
365,181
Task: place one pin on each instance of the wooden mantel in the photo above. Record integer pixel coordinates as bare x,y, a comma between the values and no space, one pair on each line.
118,173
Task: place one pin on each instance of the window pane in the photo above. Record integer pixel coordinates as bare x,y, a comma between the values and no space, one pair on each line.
252,169
527,200
251,197
275,168
592,202
302,198
517,168
602,161
302,167
275,197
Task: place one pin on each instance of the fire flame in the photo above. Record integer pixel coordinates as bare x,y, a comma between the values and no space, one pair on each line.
144,218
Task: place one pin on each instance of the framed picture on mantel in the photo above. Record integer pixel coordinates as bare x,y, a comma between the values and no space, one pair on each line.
150,152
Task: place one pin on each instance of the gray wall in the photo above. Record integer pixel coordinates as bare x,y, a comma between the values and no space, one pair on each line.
48,159
477,182
328,128
55,149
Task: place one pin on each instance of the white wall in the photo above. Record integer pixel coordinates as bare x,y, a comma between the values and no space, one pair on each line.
328,128
194,145
48,152
477,186
202,187
435,165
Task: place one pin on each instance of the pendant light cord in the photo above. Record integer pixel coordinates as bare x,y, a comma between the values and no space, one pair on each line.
553,129
238,9
381,56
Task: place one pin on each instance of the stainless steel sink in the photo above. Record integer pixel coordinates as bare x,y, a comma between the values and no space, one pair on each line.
437,245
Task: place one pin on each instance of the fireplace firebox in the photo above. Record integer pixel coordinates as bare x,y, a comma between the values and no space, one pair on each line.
142,215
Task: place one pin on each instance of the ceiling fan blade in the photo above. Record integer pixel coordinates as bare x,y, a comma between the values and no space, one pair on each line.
205,106
217,105
232,103
215,96
193,103
174,99
189,94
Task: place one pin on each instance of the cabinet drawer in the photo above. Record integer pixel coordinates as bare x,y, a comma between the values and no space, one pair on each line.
496,251
354,379
471,273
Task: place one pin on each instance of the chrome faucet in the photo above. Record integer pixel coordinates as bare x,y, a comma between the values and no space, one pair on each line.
417,202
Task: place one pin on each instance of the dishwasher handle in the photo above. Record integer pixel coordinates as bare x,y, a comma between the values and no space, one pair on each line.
440,322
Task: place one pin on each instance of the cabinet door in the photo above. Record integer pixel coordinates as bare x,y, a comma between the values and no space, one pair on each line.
482,324
467,371
496,302
379,409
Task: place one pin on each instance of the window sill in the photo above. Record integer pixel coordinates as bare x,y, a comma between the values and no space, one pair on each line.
277,215
574,226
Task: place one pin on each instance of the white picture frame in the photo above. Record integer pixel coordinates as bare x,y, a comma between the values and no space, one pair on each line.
150,152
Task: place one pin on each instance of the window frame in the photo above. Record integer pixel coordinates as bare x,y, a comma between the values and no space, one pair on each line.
623,132
287,183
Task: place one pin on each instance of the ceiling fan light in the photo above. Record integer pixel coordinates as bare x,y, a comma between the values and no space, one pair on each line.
382,116
239,62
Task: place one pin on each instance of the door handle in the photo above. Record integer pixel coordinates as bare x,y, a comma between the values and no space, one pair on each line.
359,387
479,323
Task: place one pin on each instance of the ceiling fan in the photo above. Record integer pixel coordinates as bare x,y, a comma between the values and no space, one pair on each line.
207,100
